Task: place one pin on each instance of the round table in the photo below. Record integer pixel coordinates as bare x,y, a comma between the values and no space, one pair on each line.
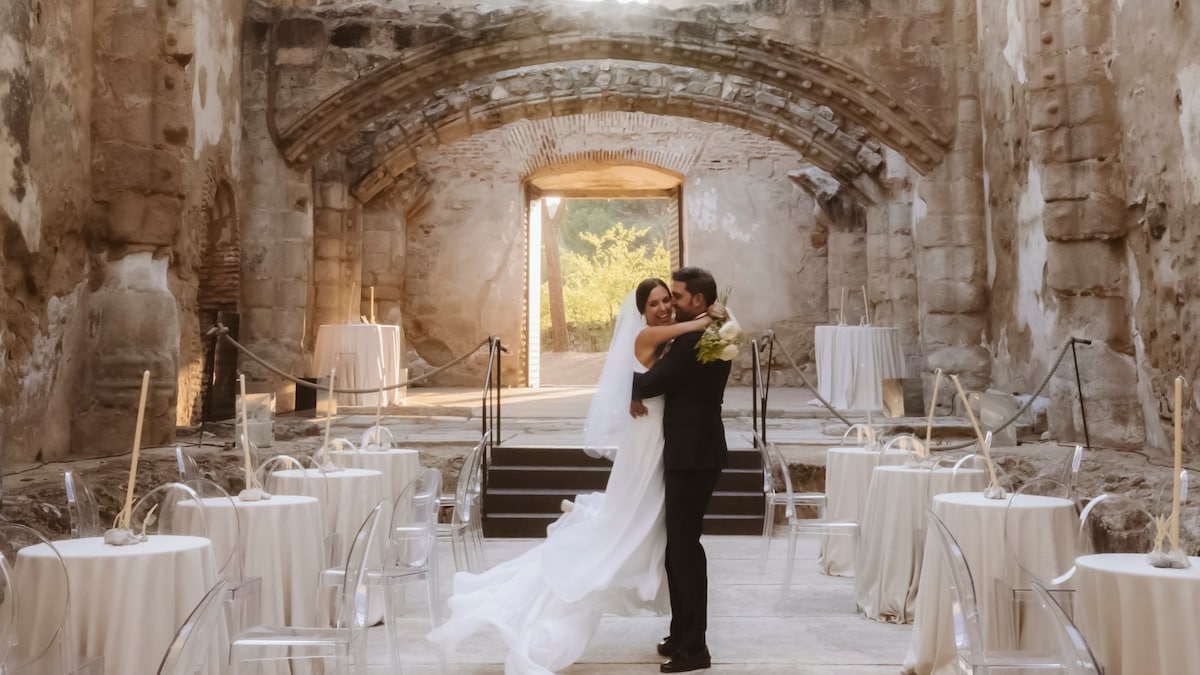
347,495
847,478
853,361
1137,618
398,466
282,543
892,535
357,350
126,602
1046,525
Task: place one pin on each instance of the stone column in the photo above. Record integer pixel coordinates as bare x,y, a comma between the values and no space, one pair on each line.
277,238
141,128
949,234
892,270
1077,138
337,245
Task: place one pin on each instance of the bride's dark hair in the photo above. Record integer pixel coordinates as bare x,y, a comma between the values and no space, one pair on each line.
643,292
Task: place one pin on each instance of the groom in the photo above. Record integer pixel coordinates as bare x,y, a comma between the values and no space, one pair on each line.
693,455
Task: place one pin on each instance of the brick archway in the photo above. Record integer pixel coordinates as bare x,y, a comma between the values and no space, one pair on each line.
503,41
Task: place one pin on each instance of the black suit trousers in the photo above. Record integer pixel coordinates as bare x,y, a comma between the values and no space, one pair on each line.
687,497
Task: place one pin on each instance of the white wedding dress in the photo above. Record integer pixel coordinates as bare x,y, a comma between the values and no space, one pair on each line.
603,557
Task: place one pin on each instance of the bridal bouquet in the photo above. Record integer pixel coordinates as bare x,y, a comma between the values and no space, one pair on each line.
722,337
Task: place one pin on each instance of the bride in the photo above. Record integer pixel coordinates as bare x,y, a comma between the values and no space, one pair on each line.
605,554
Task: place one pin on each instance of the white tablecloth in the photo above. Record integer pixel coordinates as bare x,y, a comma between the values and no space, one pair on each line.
398,466
1045,525
847,477
356,351
127,602
853,362
1136,618
352,493
892,535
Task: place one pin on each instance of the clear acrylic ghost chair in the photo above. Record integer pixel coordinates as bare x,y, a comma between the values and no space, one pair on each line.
814,527
904,444
1017,602
864,435
1069,472
317,487
53,651
406,553
187,466
773,479
1071,647
346,642
326,457
465,529
376,438
1161,500
199,638
8,611
972,655
168,509
243,594
82,509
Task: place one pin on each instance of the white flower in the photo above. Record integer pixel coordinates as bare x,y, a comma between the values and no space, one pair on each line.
729,352
730,331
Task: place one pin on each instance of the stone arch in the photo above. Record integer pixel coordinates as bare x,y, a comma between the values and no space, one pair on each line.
504,41
392,144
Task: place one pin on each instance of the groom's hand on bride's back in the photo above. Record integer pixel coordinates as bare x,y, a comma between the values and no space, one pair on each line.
637,408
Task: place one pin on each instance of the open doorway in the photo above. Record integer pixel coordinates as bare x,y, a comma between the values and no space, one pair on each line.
594,251
593,235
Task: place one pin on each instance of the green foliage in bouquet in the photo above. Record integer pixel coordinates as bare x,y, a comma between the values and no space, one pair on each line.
721,339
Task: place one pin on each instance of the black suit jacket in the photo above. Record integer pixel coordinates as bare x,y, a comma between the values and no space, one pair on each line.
693,434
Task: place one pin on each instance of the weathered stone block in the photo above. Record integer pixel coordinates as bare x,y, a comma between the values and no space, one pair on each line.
953,297
1102,217
1093,317
954,330
1088,141
1114,411
139,219
975,361
947,230
1090,265
1081,180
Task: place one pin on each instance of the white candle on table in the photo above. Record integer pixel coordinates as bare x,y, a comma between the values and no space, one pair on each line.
1178,463
937,383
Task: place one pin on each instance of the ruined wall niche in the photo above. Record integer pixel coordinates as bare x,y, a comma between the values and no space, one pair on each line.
218,299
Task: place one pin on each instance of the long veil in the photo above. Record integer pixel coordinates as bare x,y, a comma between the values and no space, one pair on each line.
608,415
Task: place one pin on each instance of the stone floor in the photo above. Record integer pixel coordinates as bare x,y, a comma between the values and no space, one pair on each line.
814,631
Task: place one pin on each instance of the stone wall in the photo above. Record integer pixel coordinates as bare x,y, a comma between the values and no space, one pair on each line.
1090,184
464,254
45,101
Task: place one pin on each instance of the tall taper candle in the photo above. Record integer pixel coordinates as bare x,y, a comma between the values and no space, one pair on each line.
937,382
372,304
127,512
329,413
1178,463
249,465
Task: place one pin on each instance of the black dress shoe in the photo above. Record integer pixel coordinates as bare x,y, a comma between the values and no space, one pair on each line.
668,647
682,663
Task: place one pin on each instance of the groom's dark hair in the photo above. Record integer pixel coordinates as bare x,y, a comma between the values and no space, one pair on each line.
697,281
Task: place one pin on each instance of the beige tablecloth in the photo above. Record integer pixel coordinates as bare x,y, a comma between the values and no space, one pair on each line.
127,602
352,493
893,535
1046,525
1136,618
356,351
398,466
853,362
847,478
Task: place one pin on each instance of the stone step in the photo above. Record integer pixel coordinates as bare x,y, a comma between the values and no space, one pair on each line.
533,525
574,456
580,479
549,501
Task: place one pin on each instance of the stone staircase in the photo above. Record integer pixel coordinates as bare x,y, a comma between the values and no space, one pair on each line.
525,486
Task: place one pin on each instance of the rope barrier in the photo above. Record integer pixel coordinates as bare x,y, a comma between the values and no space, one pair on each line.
1062,353
222,332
